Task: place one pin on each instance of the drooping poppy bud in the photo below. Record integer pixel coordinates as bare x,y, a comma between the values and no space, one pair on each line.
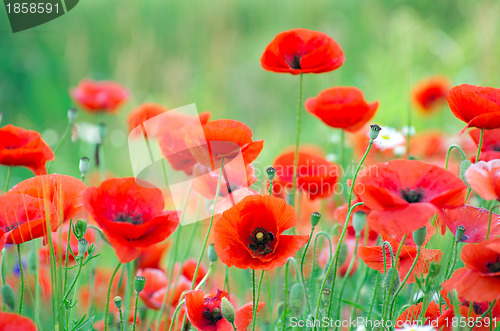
8,296
297,299
227,310
212,255
392,276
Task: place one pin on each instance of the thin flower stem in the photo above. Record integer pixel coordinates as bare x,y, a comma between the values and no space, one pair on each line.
297,142
489,222
73,284
204,247
302,269
234,326
342,148
458,148
333,261
452,260
174,258
22,279
175,315
135,310
210,269
322,233
226,280
121,318
9,173
358,289
400,287
75,293
256,299
60,142
285,296
349,268
484,314
375,288
109,296
67,255
391,284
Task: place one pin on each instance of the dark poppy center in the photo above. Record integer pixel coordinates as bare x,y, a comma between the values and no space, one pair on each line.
412,196
127,218
496,148
493,266
212,316
261,241
294,62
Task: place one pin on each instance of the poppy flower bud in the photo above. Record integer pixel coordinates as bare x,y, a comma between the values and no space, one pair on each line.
83,244
297,299
103,131
8,296
271,172
392,272
139,283
358,221
80,228
374,131
227,310
325,295
118,301
459,235
464,165
72,114
315,218
419,236
84,166
212,255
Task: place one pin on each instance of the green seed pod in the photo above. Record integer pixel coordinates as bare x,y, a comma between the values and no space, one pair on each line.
227,310
374,131
459,235
315,217
72,114
118,302
358,221
212,255
419,236
139,283
297,300
388,279
464,165
83,244
271,172
8,296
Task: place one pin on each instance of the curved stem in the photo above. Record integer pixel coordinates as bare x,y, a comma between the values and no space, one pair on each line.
175,315
458,148
256,299
302,269
391,284
22,279
297,142
314,249
109,295
393,303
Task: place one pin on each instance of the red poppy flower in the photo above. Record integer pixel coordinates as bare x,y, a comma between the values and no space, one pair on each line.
99,96
342,107
15,322
429,94
475,220
473,310
130,215
484,178
478,280
477,106
411,315
171,129
490,148
223,139
204,312
64,192
300,51
189,268
143,113
20,147
234,176
250,234
24,218
404,194
316,176
373,256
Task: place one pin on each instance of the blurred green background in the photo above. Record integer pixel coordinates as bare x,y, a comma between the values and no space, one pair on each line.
208,52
